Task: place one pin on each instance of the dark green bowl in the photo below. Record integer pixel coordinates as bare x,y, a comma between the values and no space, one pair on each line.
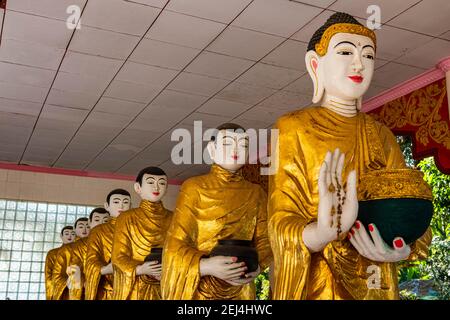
408,218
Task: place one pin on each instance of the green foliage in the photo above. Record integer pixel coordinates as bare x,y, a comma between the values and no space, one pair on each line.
437,266
262,285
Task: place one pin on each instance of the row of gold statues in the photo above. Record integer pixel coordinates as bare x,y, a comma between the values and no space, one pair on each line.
305,229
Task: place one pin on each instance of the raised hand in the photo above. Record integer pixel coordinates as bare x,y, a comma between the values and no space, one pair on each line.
74,279
338,208
225,268
150,268
374,248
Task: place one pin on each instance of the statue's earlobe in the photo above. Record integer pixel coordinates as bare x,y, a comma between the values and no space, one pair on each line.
312,65
211,150
359,104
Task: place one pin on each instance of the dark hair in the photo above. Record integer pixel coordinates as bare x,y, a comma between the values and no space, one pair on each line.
117,191
78,220
149,170
66,228
338,17
227,126
98,210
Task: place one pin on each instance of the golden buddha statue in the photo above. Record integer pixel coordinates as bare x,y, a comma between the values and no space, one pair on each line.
98,270
313,203
70,261
216,206
67,236
137,231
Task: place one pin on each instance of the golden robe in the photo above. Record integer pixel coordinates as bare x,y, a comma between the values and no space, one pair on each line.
338,271
70,254
99,248
49,265
137,231
211,207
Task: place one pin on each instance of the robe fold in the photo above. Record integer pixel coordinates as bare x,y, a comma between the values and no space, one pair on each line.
338,271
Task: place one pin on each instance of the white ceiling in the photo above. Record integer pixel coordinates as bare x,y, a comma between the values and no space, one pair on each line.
107,96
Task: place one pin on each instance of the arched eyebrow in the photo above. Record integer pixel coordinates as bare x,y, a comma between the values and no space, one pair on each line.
348,42
149,178
369,46
162,179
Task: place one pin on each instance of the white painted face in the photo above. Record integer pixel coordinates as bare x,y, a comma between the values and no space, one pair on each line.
82,229
68,236
153,187
229,150
118,203
347,68
98,218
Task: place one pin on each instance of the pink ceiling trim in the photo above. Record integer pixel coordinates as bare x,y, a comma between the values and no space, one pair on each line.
408,86
76,173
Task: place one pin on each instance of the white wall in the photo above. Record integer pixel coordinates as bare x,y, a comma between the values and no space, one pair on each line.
56,188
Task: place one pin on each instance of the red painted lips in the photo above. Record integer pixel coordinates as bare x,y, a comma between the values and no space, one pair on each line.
357,79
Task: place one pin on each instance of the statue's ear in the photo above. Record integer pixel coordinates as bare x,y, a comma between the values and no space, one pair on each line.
137,188
211,150
359,103
312,62
106,206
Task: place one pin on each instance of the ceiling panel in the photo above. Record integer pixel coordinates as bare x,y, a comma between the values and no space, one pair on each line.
175,99
23,75
223,107
164,114
23,92
80,63
245,44
302,85
267,115
197,84
81,83
244,93
31,54
103,43
78,100
124,90
289,55
428,55
55,9
19,107
429,17
17,120
217,10
184,30
135,138
208,120
119,16
116,106
388,8
152,3
219,65
162,54
268,76
145,74
388,46
393,73
289,18
307,31
286,101
373,91
30,28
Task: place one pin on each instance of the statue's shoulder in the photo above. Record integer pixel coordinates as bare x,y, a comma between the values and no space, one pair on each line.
194,182
297,116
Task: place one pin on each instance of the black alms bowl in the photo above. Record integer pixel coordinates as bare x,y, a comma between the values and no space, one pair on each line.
398,202
242,249
155,255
